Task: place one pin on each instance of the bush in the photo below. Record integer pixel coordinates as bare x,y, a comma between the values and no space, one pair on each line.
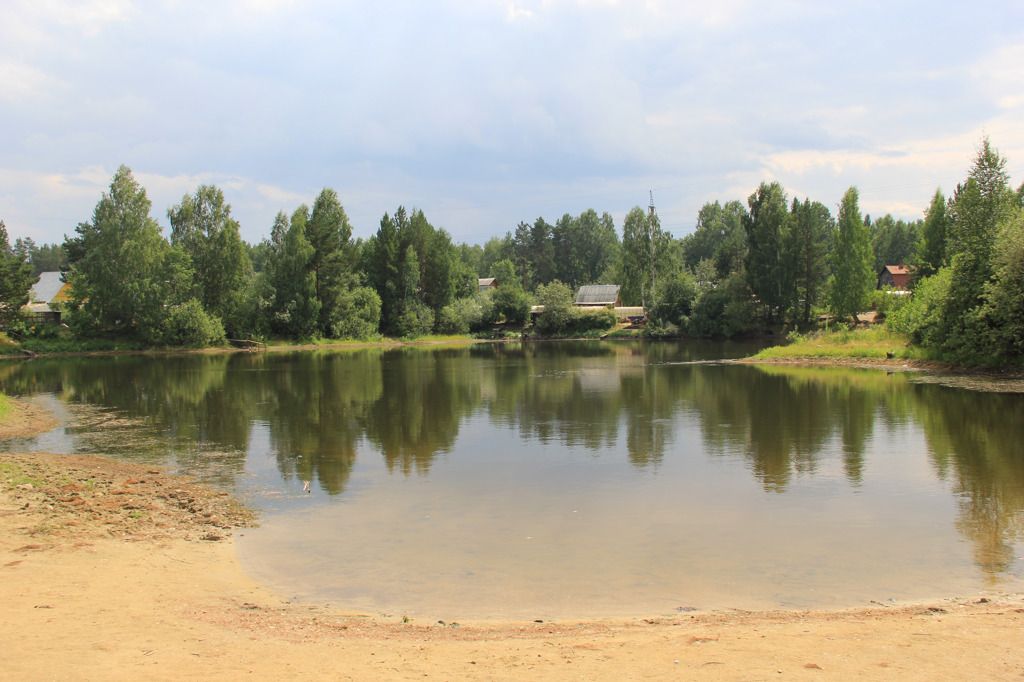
358,315
888,301
466,315
674,305
558,309
511,305
597,320
190,325
922,320
414,320
727,310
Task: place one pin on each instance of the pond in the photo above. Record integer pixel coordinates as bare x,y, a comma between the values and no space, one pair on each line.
570,480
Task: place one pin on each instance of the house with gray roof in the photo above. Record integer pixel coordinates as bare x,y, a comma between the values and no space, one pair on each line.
599,295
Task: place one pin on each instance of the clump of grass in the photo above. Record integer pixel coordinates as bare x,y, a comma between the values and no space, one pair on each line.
13,475
6,405
871,343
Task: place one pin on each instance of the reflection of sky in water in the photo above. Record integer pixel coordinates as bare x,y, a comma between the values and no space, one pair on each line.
535,485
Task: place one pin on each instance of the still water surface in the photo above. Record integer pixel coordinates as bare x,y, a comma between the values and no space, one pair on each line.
570,479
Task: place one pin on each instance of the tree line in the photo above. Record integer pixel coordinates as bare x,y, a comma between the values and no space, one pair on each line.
772,261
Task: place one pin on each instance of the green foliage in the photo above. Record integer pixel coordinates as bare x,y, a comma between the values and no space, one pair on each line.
852,262
766,227
807,242
202,226
557,318
190,325
123,271
584,248
922,320
414,319
511,305
466,315
888,301
893,241
328,231
930,253
357,314
562,319
295,310
644,250
727,310
874,343
16,279
674,304
1003,310
45,258
409,262
504,271
719,228
955,317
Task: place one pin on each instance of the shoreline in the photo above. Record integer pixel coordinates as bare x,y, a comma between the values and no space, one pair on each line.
117,570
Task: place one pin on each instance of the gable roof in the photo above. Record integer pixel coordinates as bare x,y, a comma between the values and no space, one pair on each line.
47,288
896,269
598,294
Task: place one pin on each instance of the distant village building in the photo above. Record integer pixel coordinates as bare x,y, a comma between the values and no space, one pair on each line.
485,283
895,276
604,296
45,298
599,295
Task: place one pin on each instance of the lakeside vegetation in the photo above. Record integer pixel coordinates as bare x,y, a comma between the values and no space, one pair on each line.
872,343
770,265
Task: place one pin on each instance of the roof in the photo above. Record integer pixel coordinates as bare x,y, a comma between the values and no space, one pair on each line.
598,294
896,269
47,288
486,282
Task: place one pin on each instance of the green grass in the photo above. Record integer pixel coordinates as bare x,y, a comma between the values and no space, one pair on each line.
869,344
13,475
6,404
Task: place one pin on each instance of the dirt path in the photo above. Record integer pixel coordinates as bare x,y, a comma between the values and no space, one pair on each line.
115,571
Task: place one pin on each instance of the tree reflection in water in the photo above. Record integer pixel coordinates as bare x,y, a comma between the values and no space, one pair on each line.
633,400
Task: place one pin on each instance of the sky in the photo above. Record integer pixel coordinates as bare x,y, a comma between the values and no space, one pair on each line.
485,113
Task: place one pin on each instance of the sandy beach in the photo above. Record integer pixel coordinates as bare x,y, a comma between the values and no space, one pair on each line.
117,571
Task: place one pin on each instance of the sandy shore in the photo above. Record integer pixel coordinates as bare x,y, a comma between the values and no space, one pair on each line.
115,571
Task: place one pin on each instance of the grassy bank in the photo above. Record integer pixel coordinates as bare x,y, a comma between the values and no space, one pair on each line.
874,343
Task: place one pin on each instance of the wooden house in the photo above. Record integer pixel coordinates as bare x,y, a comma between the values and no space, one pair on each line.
45,298
895,276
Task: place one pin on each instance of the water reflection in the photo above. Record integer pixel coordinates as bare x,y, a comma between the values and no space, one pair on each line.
654,407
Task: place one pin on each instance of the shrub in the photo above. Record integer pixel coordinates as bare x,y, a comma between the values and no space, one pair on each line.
511,305
414,320
558,309
190,325
727,310
466,315
922,319
358,314
888,301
